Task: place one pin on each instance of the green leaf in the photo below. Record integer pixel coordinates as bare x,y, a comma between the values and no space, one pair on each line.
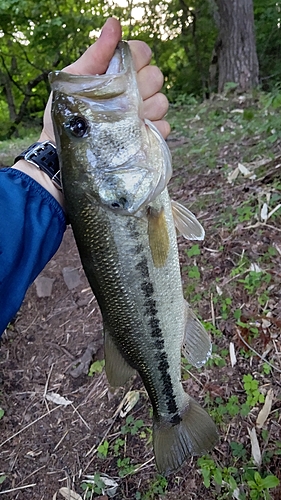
237,314
270,482
193,251
232,483
245,410
252,484
103,449
96,367
2,479
193,272
206,477
257,477
248,114
218,476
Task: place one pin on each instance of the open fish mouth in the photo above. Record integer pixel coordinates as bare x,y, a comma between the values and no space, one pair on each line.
127,157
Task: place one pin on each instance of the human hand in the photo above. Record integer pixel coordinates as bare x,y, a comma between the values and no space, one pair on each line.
96,60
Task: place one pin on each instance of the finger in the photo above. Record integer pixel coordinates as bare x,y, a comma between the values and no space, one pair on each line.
98,56
141,54
155,107
150,80
163,127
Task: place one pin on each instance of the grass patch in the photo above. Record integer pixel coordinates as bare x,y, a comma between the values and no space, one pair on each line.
11,148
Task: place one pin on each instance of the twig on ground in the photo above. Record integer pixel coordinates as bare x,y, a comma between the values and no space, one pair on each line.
19,488
48,380
46,387
140,467
94,448
27,426
60,441
258,224
84,421
32,323
213,311
193,376
257,354
32,474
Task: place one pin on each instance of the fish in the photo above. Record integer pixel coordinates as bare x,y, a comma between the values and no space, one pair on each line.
115,169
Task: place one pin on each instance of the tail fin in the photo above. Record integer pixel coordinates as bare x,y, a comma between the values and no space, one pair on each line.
195,434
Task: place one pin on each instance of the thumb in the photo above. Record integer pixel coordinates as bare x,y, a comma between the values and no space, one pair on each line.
98,56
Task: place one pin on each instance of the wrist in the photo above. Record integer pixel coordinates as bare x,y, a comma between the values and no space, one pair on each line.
44,136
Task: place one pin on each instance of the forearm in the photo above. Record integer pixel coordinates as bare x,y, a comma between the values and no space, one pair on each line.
32,224
40,177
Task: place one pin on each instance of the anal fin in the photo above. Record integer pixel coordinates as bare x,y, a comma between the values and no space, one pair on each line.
117,370
196,346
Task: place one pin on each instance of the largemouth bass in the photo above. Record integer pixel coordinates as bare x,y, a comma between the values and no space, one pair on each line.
115,167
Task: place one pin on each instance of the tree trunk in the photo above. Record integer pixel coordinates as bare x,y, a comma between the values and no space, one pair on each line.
7,89
236,46
27,96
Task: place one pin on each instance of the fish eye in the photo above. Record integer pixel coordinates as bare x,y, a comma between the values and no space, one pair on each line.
78,126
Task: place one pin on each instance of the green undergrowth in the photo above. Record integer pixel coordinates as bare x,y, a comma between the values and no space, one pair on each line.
232,280
226,121
9,149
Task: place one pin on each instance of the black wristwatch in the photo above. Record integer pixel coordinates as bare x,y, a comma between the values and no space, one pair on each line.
44,156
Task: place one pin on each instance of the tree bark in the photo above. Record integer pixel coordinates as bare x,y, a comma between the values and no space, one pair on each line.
7,89
236,46
27,96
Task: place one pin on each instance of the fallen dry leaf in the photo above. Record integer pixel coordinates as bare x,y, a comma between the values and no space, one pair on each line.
266,409
233,359
264,212
256,452
57,399
233,175
69,494
129,401
246,172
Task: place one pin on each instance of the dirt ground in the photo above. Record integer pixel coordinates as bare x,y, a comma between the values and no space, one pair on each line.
48,443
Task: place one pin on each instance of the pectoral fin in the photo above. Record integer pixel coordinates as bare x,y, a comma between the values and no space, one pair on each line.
186,223
118,371
196,346
156,140
158,236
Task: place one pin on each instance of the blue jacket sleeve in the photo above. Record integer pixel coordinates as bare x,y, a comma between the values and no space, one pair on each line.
32,224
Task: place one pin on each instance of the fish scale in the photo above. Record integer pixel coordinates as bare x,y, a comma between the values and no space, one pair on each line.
123,224
127,305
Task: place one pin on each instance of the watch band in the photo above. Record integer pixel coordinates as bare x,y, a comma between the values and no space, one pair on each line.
44,156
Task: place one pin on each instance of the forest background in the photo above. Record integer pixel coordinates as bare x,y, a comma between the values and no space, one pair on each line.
200,45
